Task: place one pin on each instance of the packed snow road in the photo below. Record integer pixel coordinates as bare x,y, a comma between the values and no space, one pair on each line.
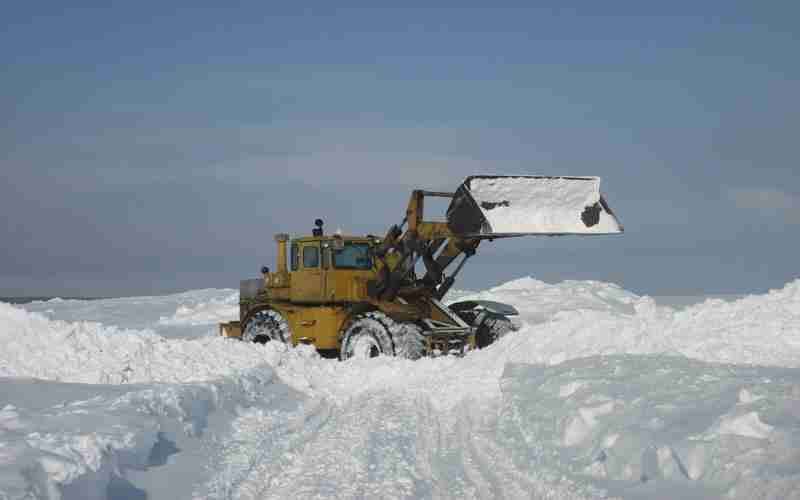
600,394
381,428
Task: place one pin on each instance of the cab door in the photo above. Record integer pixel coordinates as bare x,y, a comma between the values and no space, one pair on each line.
307,279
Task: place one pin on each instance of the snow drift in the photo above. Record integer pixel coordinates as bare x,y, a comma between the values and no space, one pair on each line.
576,319
658,427
88,352
188,314
79,441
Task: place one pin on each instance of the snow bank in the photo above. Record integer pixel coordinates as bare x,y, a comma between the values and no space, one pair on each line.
188,314
575,319
205,313
658,426
636,426
76,441
559,321
758,329
59,439
35,346
538,301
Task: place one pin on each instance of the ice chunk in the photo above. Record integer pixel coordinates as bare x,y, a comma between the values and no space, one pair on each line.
580,426
748,425
747,397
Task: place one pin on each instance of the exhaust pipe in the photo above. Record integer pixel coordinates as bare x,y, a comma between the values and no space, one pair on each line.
282,239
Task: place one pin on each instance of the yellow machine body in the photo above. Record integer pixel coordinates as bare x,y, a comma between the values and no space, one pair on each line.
318,298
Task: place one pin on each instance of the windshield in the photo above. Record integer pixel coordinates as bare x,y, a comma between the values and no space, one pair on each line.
353,256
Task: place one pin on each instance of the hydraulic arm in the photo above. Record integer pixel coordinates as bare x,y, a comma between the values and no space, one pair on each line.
485,207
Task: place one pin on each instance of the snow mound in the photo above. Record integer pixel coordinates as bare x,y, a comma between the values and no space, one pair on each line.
186,314
578,319
205,313
758,329
77,441
35,346
538,301
658,426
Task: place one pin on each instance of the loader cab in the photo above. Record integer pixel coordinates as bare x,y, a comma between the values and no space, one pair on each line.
330,268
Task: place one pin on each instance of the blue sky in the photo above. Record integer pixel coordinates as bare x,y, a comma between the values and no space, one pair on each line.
150,147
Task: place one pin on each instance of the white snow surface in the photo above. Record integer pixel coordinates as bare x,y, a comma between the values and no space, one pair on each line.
92,353
541,205
584,318
599,394
188,314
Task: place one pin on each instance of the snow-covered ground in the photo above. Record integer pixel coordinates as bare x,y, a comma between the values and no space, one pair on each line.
188,314
600,393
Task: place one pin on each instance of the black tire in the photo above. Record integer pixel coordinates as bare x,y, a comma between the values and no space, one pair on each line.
491,326
409,342
266,326
374,334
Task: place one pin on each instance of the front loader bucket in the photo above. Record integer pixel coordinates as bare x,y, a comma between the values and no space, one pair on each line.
487,206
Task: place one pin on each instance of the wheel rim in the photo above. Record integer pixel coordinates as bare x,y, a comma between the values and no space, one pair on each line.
365,347
257,330
265,326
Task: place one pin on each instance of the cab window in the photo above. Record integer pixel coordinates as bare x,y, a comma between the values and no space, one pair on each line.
353,256
311,256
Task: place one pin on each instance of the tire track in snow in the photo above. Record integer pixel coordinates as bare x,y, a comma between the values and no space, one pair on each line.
262,443
432,434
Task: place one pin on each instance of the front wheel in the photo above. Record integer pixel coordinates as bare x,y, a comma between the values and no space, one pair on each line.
265,326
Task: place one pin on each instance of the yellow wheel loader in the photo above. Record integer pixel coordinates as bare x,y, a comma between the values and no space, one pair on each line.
361,296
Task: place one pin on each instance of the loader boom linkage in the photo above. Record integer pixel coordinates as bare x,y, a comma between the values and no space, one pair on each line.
421,240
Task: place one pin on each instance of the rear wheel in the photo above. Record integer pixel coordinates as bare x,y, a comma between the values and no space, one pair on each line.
265,326
374,334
